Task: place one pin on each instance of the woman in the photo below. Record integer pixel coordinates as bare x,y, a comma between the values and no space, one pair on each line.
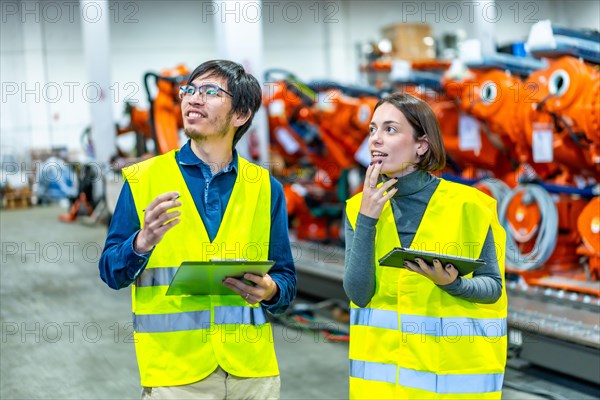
422,332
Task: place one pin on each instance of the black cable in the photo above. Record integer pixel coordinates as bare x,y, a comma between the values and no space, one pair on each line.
557,118
303,310
576,138
542,103
300,307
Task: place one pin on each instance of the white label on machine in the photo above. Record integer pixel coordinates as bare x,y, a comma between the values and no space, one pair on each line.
400,70
364,113
543,149
326,101
363,155
290,145
469,134
277,108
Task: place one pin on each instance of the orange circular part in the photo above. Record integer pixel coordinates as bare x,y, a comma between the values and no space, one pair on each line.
524,219
588,225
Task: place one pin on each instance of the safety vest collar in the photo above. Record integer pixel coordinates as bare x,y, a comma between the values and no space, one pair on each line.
244,229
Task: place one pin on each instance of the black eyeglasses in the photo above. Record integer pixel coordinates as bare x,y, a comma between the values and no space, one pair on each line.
208,91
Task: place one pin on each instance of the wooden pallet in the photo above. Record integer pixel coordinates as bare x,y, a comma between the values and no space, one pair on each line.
19,198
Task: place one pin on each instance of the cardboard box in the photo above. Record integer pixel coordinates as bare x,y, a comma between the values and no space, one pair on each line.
410,42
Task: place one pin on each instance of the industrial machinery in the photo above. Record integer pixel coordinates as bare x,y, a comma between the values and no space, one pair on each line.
299,157
561,127
162,121
512,108
498,97
472,152
588,224
138,122
495,98
317,133
550,126
554,307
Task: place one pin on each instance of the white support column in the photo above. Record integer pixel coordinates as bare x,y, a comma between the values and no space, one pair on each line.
238,32
95,19
487,14
36,75
340,64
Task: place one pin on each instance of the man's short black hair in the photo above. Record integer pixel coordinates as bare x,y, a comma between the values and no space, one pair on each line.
244,87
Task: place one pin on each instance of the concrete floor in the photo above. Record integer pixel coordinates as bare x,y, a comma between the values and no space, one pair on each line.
66,335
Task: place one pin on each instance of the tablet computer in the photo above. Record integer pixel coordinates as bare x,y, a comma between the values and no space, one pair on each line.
396,257
206,277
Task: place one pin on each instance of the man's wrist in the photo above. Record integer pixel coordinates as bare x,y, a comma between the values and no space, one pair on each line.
273,292
139,246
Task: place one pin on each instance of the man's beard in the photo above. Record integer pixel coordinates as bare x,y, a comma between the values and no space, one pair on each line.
199,137
194,135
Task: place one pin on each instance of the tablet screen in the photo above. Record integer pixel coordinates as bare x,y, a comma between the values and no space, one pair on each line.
397,256
206,277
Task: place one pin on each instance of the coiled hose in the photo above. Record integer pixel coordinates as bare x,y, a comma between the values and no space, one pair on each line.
497,188
547,233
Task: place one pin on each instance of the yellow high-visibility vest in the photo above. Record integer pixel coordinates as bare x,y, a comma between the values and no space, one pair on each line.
182,339
414,340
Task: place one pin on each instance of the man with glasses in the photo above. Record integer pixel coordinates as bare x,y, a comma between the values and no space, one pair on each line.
199,203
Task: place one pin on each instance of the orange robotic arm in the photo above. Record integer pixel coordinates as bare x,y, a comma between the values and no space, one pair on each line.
165,109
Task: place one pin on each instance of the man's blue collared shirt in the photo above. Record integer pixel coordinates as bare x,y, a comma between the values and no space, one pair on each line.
120,264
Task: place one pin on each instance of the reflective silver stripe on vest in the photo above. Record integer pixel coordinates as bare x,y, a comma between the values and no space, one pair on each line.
425,325
198,319
156,277
147,323
374,317
446,326
442,383
455,384
240,315
373,371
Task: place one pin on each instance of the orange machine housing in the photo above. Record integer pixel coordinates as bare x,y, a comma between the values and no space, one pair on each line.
564,100
502,102
286,104
489,157
588,224
167,119
164,114
569,92
344,125
316,134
